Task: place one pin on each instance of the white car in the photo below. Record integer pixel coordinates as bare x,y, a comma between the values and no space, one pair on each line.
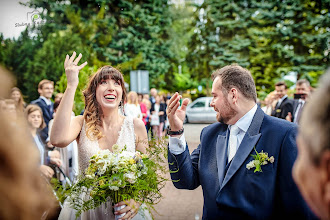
200,111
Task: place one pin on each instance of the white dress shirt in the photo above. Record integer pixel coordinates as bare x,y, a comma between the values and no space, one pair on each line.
48,101
178,145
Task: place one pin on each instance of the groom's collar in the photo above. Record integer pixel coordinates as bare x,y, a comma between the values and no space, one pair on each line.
244,122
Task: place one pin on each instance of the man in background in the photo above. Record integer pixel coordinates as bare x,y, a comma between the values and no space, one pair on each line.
303,91
46,90
284,105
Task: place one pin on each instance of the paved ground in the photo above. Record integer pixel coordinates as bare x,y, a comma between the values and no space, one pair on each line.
182,204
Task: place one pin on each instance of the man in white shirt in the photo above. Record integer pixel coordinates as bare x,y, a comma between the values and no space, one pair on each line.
244,162
46,90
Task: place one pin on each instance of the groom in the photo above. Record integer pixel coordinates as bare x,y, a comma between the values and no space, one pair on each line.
231,189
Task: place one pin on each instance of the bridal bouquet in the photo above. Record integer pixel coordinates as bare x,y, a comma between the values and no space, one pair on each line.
119,175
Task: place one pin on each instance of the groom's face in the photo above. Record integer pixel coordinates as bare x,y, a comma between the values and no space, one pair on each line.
221,102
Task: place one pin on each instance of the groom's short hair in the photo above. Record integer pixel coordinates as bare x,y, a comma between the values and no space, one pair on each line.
238,77
315,120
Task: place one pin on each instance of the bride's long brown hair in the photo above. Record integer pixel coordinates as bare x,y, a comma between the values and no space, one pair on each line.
93,112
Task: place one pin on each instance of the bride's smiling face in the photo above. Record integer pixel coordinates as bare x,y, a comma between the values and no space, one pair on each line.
109,93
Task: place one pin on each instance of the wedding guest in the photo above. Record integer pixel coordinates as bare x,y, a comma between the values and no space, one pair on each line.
157,117
146,96
58,97
45,89
17,96
244,161
132,107
36,123
147,103
163,118
303,91
23,192
153,94
269,100
143,109
284,105
312,167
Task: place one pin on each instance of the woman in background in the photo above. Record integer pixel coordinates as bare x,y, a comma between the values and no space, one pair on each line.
17,96
143,108
158,117
36,123
132,107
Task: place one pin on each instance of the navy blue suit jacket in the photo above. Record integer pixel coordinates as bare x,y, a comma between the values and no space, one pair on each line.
240,193
47,114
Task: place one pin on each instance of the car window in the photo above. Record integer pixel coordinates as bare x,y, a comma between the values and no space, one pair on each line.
198,104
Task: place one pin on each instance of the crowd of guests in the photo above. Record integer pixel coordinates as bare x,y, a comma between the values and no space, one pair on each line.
151,109
278,104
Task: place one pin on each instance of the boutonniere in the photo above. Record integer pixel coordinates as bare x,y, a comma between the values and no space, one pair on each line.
259,160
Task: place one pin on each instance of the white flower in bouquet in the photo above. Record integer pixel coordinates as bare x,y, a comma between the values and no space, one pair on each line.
130,177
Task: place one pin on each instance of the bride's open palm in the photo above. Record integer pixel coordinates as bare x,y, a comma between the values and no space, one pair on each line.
72,69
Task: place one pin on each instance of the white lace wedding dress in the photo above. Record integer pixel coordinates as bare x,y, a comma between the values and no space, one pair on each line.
86,149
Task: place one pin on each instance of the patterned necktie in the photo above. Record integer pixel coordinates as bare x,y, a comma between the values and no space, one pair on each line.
233,142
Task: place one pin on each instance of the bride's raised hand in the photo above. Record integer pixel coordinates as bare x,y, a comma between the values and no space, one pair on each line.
72,69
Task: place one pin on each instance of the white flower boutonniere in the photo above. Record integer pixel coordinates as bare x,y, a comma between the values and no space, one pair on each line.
259,160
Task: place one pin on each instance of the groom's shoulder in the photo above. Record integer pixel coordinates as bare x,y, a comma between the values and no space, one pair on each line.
215,128
278,123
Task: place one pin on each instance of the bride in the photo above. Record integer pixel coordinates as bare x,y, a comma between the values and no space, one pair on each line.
99,128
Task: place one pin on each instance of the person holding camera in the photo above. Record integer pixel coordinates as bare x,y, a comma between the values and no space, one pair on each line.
303,91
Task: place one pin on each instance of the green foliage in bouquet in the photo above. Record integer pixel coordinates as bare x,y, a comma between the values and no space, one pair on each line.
120,175
61,191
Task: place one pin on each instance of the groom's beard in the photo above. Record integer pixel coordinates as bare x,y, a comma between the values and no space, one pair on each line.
225,113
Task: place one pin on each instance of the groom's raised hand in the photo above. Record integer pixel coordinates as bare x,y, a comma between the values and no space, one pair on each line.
175,114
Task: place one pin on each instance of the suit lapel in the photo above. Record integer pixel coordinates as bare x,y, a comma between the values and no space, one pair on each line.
282,103
221,154
249,141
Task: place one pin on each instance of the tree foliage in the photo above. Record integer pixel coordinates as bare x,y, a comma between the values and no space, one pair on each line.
270,38
180,46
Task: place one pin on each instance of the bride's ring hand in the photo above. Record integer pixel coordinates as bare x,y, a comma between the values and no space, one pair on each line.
131,208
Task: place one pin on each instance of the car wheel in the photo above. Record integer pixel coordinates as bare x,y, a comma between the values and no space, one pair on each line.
185,120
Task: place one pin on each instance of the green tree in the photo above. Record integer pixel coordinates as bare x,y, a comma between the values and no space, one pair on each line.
116,32
270,38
